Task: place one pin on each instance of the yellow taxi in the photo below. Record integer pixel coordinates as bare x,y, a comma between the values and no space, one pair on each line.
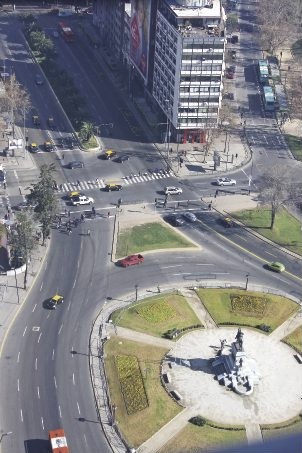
72,195
113,187
54,301
109,154
33,148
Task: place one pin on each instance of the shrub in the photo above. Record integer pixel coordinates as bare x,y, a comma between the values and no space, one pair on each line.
264,327
198,421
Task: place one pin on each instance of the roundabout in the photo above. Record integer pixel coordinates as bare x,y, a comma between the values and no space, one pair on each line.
275,399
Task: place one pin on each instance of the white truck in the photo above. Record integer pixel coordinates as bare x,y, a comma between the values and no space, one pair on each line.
81,200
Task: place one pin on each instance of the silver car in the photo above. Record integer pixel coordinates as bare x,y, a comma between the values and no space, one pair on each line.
190,217
226,182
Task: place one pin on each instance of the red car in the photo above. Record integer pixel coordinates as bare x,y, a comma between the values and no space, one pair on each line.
131,260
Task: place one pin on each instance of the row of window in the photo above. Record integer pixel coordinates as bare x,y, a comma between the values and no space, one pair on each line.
198,110
194,59
200,78
202,67
200,89
204,45
197,122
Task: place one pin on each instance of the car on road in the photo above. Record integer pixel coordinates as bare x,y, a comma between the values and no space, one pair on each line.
131,260
48,146
225,182
81,200
50,123
38,79
276,266
122,158
233,54
54,301
36,120
230,72
189,216
75,164
108,154
227,222
174,220
171,190
55,34
113,187
74,194
33,148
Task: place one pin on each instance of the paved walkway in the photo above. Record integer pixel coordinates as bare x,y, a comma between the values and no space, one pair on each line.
134,335
253,433
167,432
199,309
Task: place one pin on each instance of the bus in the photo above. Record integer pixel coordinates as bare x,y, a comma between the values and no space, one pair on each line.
58,441
268,98
66,32
263,72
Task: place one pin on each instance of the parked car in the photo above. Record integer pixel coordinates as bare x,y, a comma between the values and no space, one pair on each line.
75,164
48,146
234,39
36,120
113,187
174,220
131,260
190,217
276,266
171,190
225,182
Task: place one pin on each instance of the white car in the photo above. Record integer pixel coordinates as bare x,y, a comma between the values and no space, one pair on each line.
171,190
189,216
226,182
82,199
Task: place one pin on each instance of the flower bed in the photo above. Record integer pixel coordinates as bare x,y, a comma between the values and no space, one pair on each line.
156,312
249,305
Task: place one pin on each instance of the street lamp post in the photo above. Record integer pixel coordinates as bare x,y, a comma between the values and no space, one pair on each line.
136,292
5,434
247,281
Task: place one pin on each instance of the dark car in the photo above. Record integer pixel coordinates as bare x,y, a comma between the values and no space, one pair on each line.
234,39
113,187
36,120
174,220
75,164
69,143
122,158
50,123
48,146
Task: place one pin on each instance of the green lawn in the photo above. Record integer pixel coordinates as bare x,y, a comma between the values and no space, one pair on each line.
157,314
276,309
295,339
287,229
282,429
149,236
140,426
295,145
193,439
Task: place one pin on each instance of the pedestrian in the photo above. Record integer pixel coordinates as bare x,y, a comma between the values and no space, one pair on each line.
241,115
93,210
88,232
61,186
62,156
82,217
210,206
178,204
108,214
4,185
97,180
216,193
165,204
78,182
69,214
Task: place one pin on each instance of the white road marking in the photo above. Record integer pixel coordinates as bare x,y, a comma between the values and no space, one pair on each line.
21,413
38,391
74,283
39,337
55,381
16,175
85,439
45,265
53,354
204,264
24,331
18,385
184,273
41,287
72,349
73,380
269,253
36,363
18,357
60,329
168,267
68,306
78,408
34,308
42,421
240,237
60,413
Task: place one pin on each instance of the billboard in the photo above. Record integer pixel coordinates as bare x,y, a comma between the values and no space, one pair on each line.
139,35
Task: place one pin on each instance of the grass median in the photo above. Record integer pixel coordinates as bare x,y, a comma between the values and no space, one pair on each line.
240,307
295,145
295,339
193,438
156,315
149,236
286,231
141,425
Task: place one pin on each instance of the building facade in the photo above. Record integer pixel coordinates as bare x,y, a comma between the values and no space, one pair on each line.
176,48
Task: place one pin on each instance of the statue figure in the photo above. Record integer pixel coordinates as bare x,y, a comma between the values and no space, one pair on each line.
222,344
239,338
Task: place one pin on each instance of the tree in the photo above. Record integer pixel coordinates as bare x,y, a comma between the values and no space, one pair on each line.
22,241
86,131
231,23
43,196
277,190
16,99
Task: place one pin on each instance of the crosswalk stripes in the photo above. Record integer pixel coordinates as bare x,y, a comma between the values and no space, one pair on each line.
100,184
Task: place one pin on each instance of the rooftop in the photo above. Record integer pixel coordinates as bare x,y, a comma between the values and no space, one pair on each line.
188,12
